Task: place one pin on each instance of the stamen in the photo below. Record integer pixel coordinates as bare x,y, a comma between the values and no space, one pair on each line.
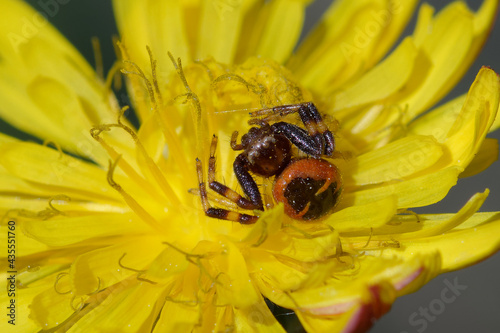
59,276
207,69
369,238
153,72
92,302
141,212
183,302
58,197
194,101
118,53
157,174
171,138
297,306
263,235
375,243
138,72
140,278
99,68
128,268
409,212
139,272
299,230
47,142
124,165
196,262
339,252
112,74
98,287
136,84
256,89
45,214
152,166
79,306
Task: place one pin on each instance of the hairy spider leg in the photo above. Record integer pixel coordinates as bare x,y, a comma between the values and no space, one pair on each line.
226,191
298,137
234,144
247,183
321,127
219,213
311,119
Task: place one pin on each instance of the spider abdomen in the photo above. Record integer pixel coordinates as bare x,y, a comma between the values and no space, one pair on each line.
309,188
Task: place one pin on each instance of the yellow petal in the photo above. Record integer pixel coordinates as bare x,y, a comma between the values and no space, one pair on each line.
256,318
465,213
463,123
169,263
415,192
485,156
270,272
396,161
29,245
451,41
343,292
45,166
364,217
127,310
268,224
280,35
71,230
264,28
374,300
495,125
32,277
459,248
157,24
438,122
353,36
381,81
22,306
475,119
185,313
102,268
236,287
51,308
219,28
46,81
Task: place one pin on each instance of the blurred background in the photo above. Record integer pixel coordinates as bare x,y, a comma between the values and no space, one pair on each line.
477,307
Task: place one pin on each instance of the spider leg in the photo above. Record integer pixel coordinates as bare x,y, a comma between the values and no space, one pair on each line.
312,120
248,184
298,137
234,144
223,189
219,213
320,126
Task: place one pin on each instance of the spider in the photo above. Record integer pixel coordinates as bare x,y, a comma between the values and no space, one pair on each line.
308,187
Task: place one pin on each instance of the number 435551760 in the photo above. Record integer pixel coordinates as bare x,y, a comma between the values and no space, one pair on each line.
11,244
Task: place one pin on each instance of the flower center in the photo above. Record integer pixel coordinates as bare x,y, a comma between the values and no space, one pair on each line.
178,117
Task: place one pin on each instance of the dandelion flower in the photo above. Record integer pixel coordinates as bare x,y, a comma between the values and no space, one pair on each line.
107,231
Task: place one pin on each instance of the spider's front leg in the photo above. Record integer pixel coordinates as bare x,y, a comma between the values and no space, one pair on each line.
221,213
323,142
312,119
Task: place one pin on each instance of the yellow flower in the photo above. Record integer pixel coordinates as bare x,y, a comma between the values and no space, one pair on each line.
103,234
